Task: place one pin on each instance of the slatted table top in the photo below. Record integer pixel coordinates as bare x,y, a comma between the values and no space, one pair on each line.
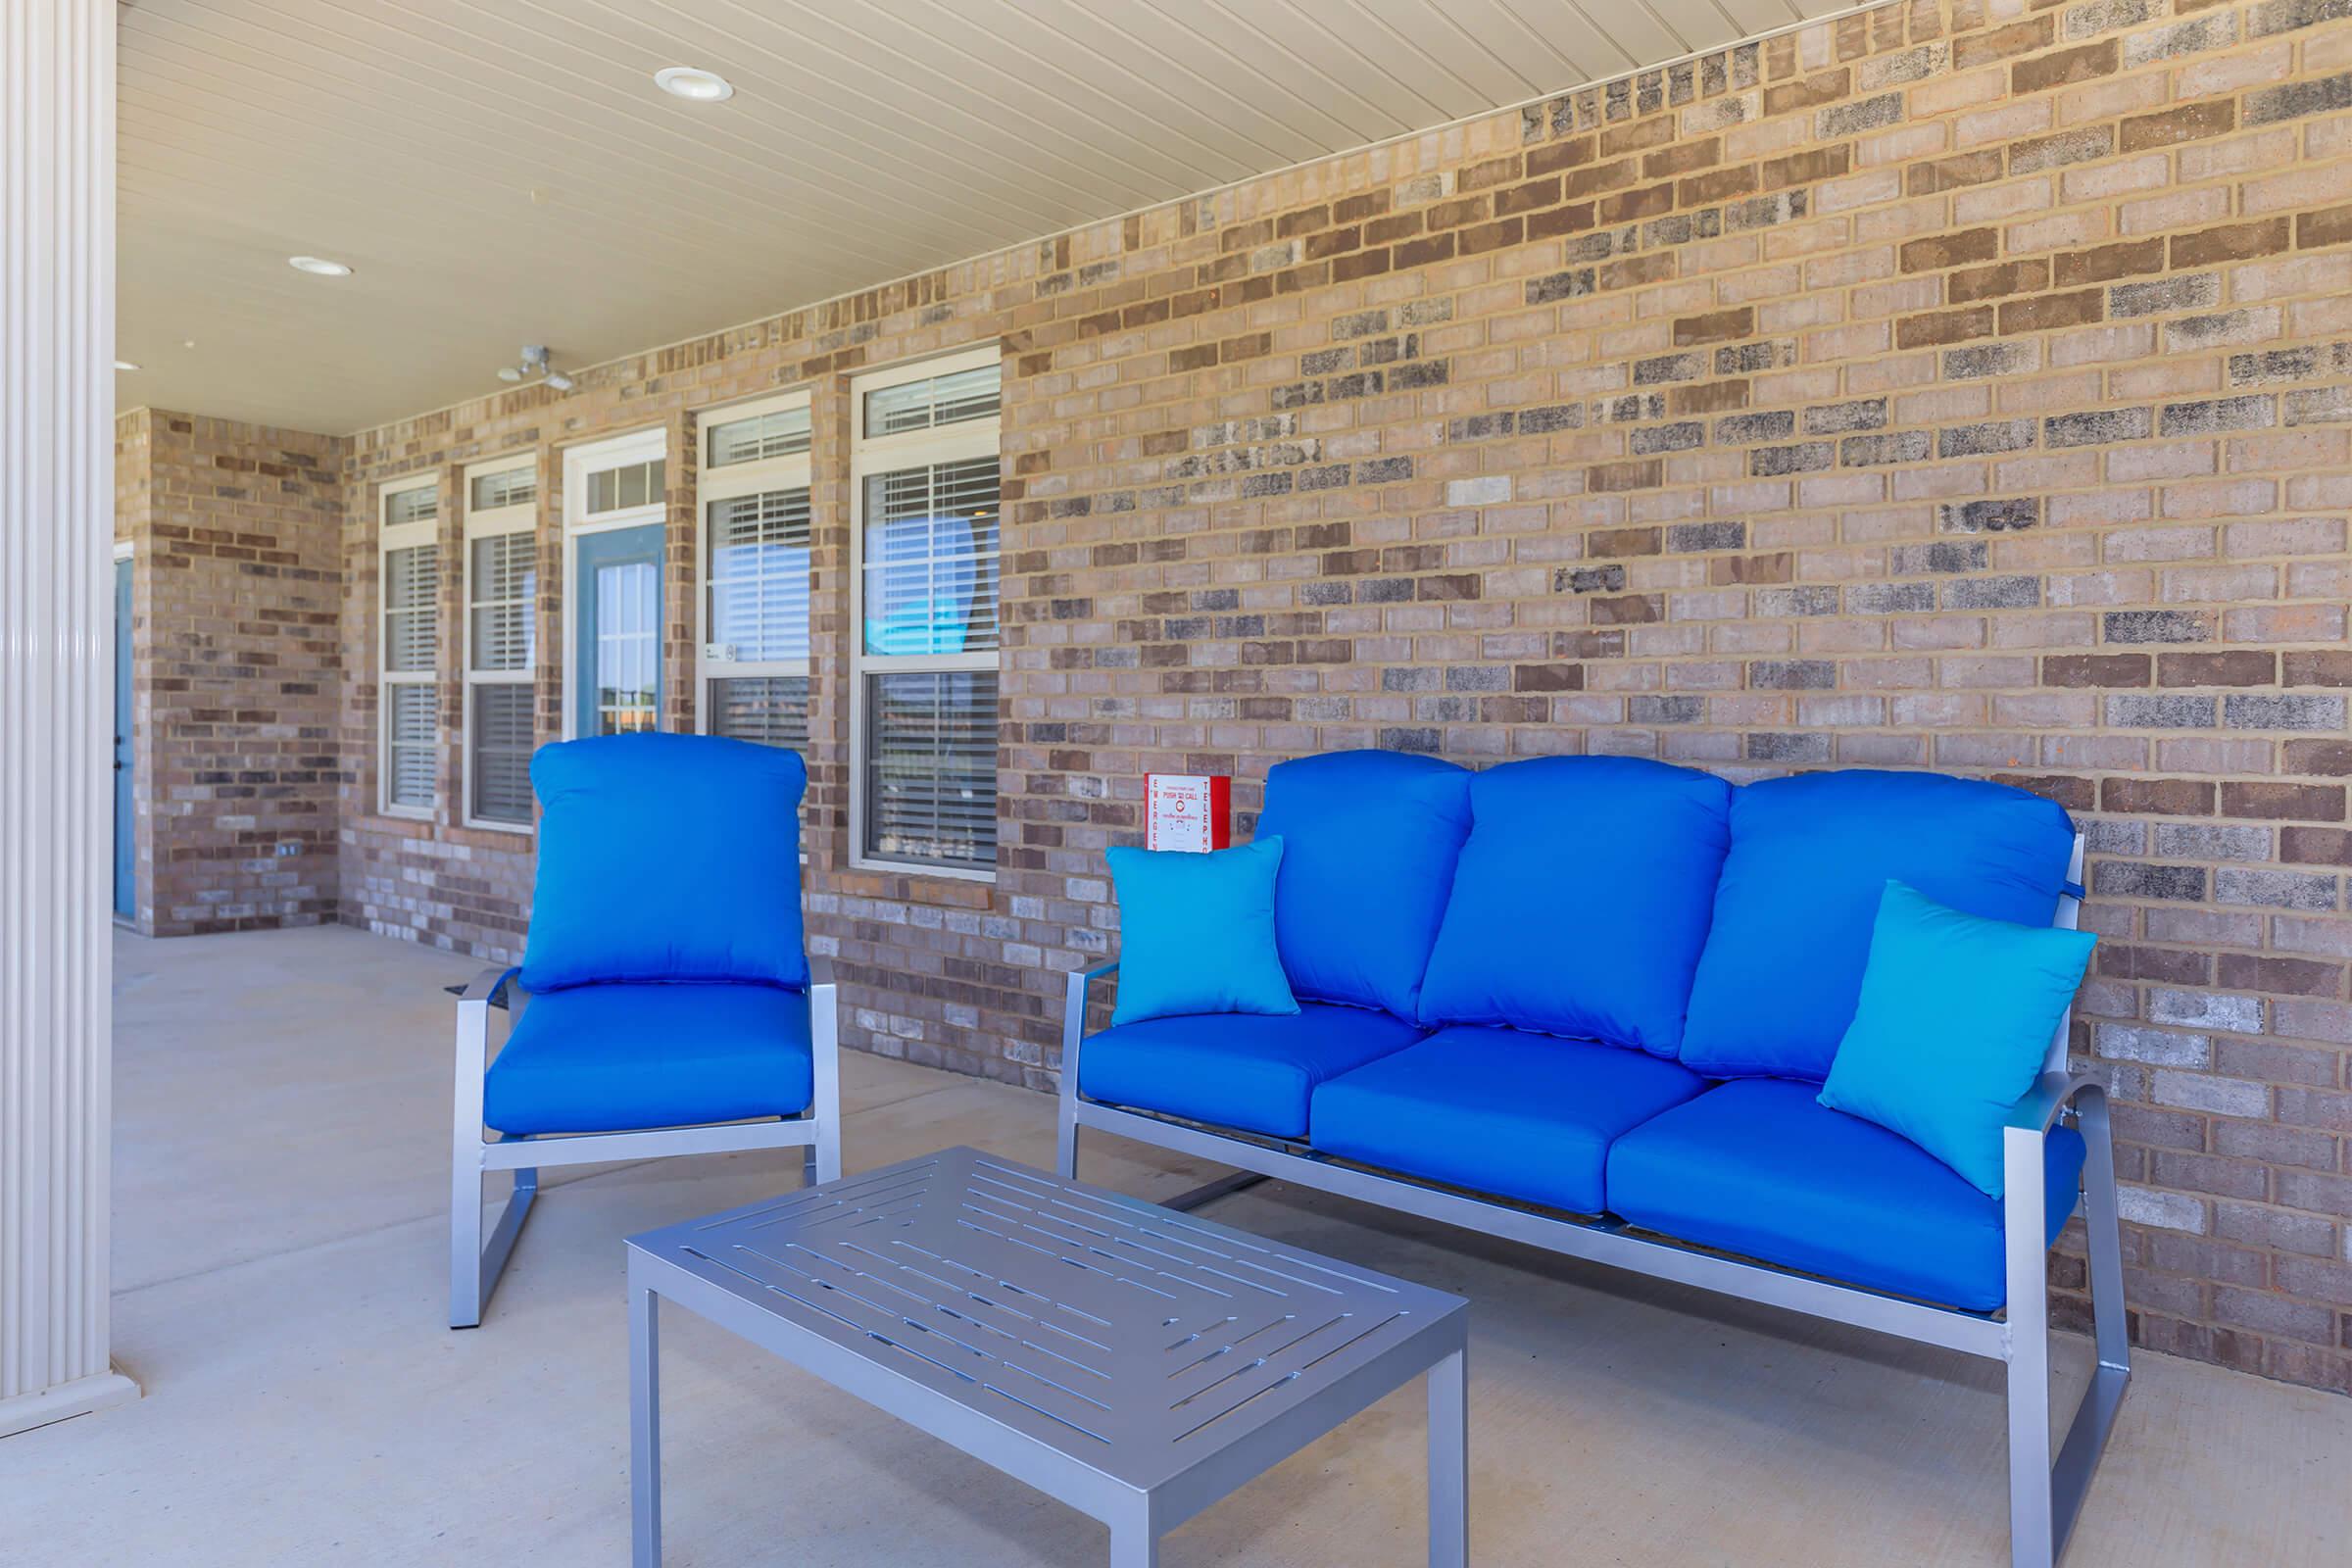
1131,1337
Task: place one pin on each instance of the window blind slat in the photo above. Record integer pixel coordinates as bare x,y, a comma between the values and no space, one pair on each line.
512,487
931,562
502,734
778,433
412,606
504,587
759,548
959,395
931,767
411,505
772,710
410,731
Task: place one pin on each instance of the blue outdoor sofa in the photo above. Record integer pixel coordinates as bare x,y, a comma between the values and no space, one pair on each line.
1587,1004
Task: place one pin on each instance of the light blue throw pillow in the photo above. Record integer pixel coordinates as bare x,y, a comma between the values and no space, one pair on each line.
1197,932
1954,1019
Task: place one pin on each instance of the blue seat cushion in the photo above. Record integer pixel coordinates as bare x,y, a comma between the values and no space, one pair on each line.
1582,900
1498,1112
1369,840
1252,1072
622,1058
1759,1167
1810,856
666,859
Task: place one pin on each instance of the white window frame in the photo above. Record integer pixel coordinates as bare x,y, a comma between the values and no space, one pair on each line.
391,537
959,442
714,485
638,446
490,522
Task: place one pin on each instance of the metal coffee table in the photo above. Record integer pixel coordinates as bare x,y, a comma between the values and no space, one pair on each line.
1133,1361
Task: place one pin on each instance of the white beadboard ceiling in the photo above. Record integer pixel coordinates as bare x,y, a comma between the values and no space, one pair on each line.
503,171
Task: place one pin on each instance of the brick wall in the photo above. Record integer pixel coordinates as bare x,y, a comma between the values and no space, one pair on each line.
1956,386
235,536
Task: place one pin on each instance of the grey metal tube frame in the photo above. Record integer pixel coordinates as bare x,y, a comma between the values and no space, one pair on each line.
475,1264
2045,1491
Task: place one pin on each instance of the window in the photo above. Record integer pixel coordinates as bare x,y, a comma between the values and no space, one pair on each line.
923,465
614,513
502,614
410,585
755,543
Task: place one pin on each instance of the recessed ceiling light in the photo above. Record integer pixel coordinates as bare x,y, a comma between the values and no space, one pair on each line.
694,84
124,365
317,266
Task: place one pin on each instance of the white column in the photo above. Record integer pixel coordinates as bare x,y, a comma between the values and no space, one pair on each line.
57,332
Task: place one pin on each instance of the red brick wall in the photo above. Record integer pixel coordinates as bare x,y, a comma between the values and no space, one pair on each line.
1957,385
235,536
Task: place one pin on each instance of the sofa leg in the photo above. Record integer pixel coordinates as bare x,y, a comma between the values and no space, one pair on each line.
2030,1540
2103,1236
2030,1537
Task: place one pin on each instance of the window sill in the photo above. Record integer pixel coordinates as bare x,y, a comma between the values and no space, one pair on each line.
915,872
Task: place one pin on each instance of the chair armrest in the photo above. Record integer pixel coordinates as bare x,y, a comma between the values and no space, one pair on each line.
820,970
1073,1013
2043,1104
490,986
1081,989
1074,1021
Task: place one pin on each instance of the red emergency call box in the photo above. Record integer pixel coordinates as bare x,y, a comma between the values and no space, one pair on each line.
1187,811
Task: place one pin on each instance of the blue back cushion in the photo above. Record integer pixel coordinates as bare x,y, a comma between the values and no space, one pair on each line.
1810,856
666,859
1369,840
1582,900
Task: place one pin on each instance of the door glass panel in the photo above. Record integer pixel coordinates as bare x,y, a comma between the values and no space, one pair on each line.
617,660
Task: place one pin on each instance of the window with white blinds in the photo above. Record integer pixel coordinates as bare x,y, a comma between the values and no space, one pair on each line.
757,542
502,623
409,588
924,464
498,759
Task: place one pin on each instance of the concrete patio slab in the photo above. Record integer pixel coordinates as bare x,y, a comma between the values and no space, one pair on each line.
281,1245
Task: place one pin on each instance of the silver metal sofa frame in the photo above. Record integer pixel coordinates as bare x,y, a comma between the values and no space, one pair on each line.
2045,1490
474,1266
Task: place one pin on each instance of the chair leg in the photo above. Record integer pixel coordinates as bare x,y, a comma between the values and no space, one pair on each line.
1065,1145
465,1241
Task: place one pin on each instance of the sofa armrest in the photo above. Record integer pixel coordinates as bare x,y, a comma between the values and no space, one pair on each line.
2051,1095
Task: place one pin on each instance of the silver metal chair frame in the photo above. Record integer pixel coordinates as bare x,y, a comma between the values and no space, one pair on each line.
2045,1492
474,1265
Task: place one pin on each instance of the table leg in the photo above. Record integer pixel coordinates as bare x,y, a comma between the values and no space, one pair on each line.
1449,1463
1134,1538
645,1427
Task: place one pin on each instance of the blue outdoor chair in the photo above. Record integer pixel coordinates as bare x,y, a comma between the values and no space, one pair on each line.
665,1004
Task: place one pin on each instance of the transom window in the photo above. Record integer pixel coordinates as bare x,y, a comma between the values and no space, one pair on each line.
779,433
502,623
408,585
755,548
625,486
926,460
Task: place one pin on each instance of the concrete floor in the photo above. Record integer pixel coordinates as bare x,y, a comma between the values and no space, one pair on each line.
280,1256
